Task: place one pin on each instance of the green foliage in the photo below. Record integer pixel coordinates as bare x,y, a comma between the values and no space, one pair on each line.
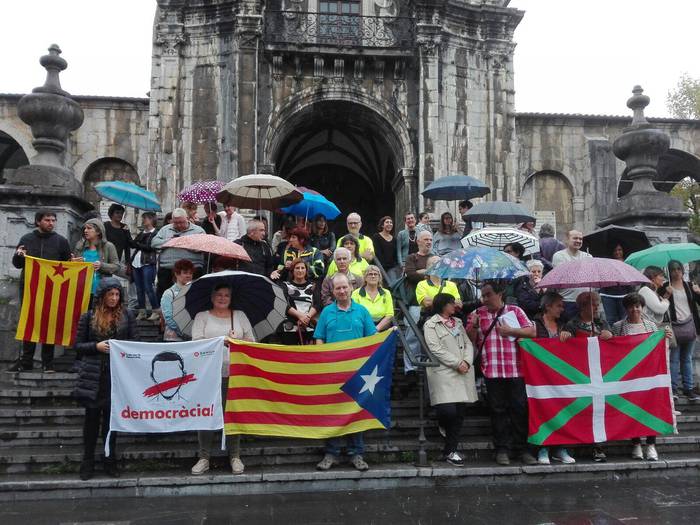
684,100
689,192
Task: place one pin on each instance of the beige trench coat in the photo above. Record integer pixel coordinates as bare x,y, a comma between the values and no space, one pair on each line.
446,384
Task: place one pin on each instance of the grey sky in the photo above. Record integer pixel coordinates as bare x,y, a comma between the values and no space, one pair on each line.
573,56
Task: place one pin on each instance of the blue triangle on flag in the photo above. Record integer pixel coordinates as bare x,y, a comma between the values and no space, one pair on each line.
370,386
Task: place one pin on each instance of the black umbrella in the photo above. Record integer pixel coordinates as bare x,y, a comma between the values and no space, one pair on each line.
601,243
258,297
499,212
455,188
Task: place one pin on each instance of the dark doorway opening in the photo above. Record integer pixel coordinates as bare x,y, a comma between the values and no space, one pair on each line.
336,150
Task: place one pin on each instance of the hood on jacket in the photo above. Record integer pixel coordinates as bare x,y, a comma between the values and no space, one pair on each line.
107,284
99,226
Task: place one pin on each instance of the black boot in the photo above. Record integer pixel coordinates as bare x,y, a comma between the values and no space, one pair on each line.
111,467
87,469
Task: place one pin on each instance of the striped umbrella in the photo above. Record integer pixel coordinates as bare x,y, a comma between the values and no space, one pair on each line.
495,237
259,192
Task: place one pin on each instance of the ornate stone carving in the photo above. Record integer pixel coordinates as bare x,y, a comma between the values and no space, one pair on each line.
277,67
170,43
359,70
379,71
338,70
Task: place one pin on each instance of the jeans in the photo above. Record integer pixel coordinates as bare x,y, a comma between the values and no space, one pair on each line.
508,404
682,366
144,278
450,417
355,445
94,418
614,311
27,357
205,438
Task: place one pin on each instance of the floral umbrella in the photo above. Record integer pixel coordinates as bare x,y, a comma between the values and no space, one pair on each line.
478,264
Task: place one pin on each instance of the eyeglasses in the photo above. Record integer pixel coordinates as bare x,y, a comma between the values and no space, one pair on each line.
353,223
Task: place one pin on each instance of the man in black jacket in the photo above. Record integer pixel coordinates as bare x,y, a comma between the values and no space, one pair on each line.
118,233
257,248
45,243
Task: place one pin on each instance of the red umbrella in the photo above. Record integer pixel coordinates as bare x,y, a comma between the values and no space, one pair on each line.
203,242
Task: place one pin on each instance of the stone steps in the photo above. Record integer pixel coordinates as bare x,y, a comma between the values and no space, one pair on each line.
269,479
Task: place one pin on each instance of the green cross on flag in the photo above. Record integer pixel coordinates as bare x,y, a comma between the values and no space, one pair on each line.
586,390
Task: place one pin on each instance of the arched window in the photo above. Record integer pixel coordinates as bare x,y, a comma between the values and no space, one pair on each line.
549,191
12,155
108,169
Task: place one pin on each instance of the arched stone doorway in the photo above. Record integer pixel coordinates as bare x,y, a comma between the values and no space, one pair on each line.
12,156
347,151
549,191
108,169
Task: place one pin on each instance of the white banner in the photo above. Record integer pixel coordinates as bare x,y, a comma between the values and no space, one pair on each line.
166,387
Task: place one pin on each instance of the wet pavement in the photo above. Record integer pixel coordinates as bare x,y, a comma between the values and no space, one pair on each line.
663,500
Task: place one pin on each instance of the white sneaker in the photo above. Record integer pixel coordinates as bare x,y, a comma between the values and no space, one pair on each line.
651,454
237,466
200,467
637,451
141,315
561,454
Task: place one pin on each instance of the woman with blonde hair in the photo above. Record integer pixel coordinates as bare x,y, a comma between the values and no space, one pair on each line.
376,299
108,319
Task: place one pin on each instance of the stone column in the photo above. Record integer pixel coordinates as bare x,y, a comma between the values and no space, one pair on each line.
428,36
249,26
165,164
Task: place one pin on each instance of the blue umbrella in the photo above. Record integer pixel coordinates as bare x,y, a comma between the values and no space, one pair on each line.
478,264
128,194
311,205
455,188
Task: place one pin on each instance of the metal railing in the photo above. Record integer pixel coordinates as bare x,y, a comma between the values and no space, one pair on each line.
340,30
423,360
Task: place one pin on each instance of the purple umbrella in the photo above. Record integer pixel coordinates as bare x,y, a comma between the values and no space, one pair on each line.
201,192
592,272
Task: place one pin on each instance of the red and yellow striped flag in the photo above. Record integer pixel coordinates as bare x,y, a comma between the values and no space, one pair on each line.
55,294
313,391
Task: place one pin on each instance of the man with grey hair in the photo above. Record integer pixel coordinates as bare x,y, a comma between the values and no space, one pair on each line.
343,320
260,253
179,227
342,257
365,247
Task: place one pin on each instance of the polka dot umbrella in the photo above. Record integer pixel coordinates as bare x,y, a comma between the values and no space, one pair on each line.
201,192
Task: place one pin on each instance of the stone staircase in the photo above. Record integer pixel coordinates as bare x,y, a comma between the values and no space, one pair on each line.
41,436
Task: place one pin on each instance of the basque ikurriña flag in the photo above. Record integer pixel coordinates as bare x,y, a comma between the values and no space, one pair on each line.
55,294
587,390
312,391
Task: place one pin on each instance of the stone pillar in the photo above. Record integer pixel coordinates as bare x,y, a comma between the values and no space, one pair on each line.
429,137
249,25
165,163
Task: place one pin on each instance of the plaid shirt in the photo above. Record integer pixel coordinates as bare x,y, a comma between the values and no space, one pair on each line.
500,357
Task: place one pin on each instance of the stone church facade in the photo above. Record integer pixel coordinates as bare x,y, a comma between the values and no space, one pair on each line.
366,101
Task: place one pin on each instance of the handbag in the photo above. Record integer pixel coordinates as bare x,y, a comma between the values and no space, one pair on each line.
684,331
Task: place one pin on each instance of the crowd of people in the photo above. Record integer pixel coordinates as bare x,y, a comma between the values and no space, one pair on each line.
344,287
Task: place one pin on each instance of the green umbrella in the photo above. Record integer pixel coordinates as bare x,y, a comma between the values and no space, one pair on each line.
661,254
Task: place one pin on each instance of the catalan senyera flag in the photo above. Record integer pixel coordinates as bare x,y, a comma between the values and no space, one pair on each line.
313,391
55,294
587,390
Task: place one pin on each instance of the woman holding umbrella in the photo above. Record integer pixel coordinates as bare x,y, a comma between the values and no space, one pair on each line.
219,321
686,325
322,238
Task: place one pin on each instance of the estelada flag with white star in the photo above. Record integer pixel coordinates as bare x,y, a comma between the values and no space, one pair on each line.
587,390
55,294
312,391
